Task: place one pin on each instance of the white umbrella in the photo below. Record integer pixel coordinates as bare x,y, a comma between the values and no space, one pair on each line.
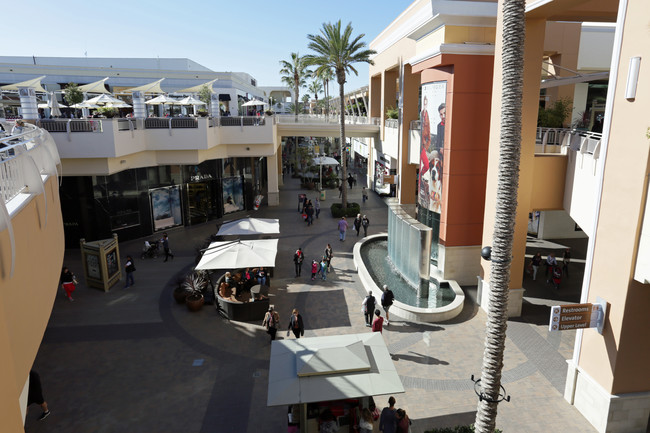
321,161
325,160
190,100
103,100
250,226
239,254
85,104
254,103
54,106
162,99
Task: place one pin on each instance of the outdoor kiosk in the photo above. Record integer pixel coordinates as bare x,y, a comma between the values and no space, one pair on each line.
330,370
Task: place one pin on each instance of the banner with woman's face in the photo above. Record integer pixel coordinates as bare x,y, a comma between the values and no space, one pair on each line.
432,122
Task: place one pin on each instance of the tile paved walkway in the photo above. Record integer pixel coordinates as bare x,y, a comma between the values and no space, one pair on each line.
134,361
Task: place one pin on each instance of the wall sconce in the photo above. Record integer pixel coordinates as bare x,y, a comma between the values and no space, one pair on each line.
632,78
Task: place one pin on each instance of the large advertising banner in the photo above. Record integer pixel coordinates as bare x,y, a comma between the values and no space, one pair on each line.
166,207
233,194
432,120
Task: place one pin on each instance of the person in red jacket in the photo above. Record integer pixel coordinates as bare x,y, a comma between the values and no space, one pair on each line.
378,323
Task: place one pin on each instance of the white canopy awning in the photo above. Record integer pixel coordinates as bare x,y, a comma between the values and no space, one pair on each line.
197,89
250,226
147,88
325,160
329,368
34,83
189,100
239,254
254,103
96,87
105,100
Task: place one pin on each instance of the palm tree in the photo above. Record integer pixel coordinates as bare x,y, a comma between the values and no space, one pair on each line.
295,74
337,50
506,206
305,103
325,74
315,87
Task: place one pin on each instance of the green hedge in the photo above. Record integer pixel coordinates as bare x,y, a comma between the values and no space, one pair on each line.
352,210
457,429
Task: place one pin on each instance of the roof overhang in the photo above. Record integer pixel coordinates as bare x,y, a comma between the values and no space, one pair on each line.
573,10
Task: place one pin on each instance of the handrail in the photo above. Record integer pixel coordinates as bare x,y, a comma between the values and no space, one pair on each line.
572,139
286,119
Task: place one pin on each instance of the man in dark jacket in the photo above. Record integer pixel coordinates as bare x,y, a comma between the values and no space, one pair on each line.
386,301
298,258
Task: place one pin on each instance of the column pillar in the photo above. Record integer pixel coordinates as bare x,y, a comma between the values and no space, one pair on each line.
273,175
139,107
28,105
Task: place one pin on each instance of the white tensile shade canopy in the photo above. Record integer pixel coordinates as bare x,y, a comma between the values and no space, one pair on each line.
147,88
239,254
197,88
250,226
96,87
85,104
34,83
254,103
336,367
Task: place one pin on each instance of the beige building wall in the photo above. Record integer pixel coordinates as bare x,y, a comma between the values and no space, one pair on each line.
27,297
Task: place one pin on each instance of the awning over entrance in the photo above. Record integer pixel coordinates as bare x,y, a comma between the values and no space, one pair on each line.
330,368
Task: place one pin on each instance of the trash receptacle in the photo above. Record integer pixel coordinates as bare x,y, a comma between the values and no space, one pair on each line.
322,195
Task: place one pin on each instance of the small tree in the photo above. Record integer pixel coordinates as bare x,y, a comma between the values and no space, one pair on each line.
73,95
555,115
205,95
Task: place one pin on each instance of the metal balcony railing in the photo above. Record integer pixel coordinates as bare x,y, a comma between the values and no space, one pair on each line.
24,157
391,123
286,119
557,140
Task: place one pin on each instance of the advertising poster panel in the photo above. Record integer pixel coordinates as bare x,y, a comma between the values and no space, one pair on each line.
432,120
166,207
233,194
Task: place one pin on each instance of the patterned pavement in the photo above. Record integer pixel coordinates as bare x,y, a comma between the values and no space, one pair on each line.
131,360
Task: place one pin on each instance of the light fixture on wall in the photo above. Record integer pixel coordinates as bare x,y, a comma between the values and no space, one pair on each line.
632,78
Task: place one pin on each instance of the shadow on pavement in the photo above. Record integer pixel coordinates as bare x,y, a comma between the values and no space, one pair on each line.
418,358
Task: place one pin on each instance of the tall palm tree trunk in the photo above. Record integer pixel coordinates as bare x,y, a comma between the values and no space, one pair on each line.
344,154
506,206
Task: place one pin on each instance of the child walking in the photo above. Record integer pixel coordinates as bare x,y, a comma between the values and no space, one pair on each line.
314,269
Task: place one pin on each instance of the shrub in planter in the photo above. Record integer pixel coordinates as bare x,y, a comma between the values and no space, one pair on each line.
194,285
179,291
352,210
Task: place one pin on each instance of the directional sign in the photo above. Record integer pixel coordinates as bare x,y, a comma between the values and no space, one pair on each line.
577,316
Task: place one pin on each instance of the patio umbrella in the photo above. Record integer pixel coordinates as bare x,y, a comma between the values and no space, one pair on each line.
55,110
254,103
190,100
103,100
321,161
162,100
85,104
250,226
239,254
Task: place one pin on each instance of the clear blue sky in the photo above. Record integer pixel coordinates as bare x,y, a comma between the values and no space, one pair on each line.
250,36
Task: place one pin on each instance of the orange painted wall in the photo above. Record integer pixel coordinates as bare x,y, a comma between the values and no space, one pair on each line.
547,189
26,299
469,87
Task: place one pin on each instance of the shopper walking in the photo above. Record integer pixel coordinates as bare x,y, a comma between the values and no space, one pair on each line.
310,213
368,307
314,269
317,207
298,258
365,222
129,268
357,223
378,323
350,180
343,227
35,394
168,251
364,194
388,418
403,421
271,322
536,262
295,324
68,282
550,263
328,255
366,422
387,299
323,269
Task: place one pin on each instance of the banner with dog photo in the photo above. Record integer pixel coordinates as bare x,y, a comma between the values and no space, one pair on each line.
432,120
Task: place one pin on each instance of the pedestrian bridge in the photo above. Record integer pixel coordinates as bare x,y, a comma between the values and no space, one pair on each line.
326,126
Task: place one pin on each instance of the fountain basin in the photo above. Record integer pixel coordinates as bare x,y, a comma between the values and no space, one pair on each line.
449,309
